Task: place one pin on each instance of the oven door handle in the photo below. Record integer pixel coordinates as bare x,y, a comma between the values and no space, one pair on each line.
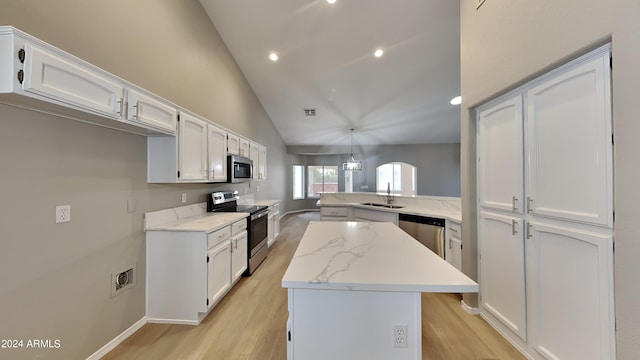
259,215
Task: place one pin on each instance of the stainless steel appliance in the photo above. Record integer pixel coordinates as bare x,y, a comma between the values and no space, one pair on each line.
427,230
239,169
257,225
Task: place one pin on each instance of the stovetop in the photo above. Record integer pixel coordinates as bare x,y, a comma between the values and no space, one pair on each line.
251,209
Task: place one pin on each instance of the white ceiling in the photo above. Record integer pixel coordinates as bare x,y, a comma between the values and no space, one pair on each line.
327,63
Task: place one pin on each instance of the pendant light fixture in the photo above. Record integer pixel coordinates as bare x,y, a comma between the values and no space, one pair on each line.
352,164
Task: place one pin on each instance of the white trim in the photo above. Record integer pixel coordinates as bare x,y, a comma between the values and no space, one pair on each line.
298,211
118,339
469,309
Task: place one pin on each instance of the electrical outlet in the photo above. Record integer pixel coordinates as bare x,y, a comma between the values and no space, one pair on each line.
258,188
400,336
184,198
63,214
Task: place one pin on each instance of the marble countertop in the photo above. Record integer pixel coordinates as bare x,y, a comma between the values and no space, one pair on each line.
369,256
207,222
405,209
266,202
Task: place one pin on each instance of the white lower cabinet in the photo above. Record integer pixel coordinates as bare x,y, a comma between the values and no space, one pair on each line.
453,244
502,270
218,272
570,277
338,213
188,272
239,255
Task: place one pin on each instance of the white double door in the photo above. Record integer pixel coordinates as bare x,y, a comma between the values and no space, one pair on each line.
546,212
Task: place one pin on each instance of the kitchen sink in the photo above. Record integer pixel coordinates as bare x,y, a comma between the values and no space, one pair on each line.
389,206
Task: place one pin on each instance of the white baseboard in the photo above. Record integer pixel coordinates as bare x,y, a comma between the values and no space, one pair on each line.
299,211
469,309
118,339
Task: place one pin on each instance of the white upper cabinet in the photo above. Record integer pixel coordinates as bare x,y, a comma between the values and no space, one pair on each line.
192,142
149,110
63,79
500,163
254,151
244,147
570,145
262,163
233,144
48,79
217,154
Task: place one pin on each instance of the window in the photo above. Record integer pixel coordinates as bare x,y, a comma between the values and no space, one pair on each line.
322,179
298,182
398,178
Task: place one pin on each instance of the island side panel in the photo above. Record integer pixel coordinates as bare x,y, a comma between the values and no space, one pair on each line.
335,324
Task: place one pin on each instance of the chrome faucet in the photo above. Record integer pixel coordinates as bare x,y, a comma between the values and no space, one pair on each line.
389,196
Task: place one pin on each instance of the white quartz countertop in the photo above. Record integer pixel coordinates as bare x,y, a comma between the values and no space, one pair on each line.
369,257
207,222
433,206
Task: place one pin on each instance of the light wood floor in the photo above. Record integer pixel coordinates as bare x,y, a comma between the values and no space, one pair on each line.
249,323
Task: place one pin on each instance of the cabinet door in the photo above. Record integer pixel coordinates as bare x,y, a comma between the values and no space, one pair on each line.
502,270
219,272
148,110
192,153
276,225
262,162
500,161
456,252
244,147
569,144
571,287
217,141
240,255
71,82
233,144
270,228
253,155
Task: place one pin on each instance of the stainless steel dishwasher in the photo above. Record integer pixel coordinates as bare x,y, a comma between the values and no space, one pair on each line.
427,230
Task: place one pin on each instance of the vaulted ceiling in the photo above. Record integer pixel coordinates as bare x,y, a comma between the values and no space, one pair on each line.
326,62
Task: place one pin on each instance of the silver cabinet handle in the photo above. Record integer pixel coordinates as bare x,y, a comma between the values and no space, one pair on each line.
450,244
529,235
514,227
529,205
137,107
121,104
454,230
514,204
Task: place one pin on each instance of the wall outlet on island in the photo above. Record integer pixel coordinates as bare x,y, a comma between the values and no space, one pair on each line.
184,198
400,336
63,214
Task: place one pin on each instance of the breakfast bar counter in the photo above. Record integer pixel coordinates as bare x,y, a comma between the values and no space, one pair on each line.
354,291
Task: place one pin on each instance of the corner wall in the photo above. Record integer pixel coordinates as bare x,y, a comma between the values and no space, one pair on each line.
57,277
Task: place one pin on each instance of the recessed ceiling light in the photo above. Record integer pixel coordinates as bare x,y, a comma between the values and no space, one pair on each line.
331,1
456,100
378,53
273,56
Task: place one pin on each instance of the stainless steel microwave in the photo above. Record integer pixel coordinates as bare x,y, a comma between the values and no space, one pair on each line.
240,169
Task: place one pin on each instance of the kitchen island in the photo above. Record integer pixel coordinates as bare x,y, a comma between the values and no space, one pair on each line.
354,292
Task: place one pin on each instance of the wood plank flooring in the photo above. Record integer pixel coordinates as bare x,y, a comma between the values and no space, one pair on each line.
250,322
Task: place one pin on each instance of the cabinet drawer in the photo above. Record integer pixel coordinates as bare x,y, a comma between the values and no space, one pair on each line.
334,211
238,226
454,229
218,236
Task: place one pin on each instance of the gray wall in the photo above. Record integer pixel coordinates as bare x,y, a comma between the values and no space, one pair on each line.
504,46
438,166
56,277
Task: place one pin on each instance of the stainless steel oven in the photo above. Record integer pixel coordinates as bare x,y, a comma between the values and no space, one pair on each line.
257,225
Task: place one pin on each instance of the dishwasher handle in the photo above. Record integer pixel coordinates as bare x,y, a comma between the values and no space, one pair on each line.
421,219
